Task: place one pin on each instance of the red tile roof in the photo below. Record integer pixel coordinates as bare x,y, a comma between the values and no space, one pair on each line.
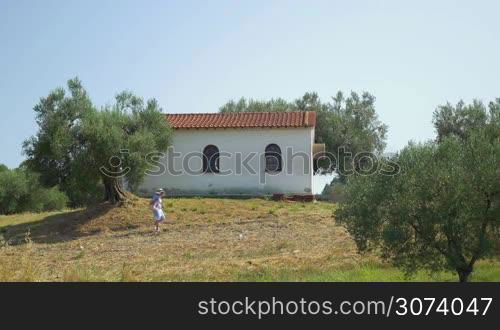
242,119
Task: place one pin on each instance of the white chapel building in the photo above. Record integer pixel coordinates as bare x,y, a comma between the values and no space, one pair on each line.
248,154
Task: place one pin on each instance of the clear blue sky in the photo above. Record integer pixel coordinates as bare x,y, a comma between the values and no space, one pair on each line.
193,56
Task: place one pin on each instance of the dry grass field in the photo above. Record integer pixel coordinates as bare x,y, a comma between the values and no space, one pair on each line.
206,239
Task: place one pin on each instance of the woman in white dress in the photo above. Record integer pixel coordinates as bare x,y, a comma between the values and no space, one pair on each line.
157,207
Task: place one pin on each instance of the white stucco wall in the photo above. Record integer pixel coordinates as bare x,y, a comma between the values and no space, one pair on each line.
295,177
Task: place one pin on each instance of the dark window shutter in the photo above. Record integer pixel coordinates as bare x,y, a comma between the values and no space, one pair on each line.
273,158
211,159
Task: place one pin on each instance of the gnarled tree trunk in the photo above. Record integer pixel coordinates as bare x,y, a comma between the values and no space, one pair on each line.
113,190
464,274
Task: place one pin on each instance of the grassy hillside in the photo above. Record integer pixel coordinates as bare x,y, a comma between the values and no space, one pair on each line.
206,240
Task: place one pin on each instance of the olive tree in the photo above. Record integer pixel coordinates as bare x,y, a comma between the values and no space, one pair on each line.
442,212
461,119
347,125
81,148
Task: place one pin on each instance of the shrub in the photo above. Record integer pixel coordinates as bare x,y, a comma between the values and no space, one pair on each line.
335,191
13,189
20,191
47,199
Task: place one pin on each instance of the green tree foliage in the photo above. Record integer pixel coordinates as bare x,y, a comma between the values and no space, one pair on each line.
463,118
76,141
335,190
347,125
53,150
441,212
20,191
3,168
13,187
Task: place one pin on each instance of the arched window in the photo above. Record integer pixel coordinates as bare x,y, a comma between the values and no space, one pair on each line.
211,159
273,158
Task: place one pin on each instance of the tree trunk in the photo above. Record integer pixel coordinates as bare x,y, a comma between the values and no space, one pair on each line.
464,274
113,190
